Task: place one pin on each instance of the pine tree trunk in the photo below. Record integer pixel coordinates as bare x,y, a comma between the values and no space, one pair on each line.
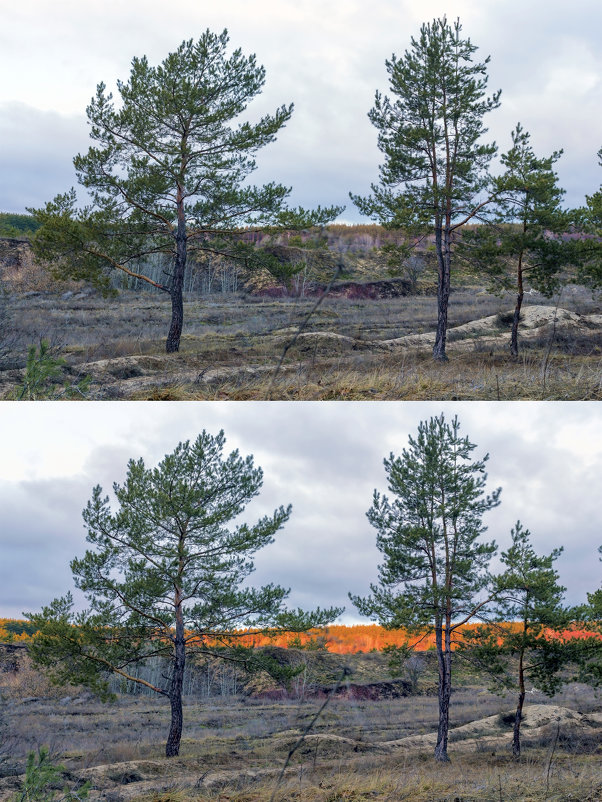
177,320
519,708
177,282
172,747
443,692
517,308
442,242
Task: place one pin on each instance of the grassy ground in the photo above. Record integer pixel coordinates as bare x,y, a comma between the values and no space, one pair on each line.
234,748
232,346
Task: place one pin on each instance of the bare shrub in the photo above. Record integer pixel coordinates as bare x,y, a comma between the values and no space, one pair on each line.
27,682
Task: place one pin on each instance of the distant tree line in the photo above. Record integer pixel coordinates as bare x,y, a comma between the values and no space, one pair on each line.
17,225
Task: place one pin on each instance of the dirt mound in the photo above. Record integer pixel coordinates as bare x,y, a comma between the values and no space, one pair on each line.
374,691
392,288
492,331
496,731
374,290
490,732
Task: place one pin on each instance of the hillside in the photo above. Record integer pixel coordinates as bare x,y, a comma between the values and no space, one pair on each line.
314,255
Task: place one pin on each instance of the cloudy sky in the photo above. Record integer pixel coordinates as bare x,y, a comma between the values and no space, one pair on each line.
328,58
323,457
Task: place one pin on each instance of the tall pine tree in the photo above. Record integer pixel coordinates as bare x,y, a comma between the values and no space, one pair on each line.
434,565
435,175
165,576
524,237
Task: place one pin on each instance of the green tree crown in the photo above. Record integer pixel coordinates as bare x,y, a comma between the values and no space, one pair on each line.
429,534
430,131
166,574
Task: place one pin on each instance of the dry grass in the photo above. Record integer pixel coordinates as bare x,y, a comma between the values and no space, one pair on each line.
411,376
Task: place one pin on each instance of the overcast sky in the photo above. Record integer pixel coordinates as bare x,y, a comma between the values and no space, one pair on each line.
328,58
323,457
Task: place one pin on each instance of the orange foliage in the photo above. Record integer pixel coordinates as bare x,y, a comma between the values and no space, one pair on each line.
337,638
6,636
341,639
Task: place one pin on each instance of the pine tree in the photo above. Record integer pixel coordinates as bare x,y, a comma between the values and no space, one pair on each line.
168,174
524,236
430,136
588,650
435,565
595,599
165,576
527,640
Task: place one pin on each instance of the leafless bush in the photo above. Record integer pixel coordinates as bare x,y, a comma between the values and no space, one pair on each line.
27,682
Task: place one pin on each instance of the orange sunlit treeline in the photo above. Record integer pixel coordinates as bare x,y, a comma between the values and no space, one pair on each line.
342,639
338,638
14,631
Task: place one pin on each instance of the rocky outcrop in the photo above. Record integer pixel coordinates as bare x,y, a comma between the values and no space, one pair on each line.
387,288
18,270
14,253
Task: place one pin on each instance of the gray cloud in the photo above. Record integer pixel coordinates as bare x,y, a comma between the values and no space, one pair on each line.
324,458
41,532
329,60
36,154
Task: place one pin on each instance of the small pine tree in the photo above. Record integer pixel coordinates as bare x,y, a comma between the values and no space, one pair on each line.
524,236
43,778
43,372
530,625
